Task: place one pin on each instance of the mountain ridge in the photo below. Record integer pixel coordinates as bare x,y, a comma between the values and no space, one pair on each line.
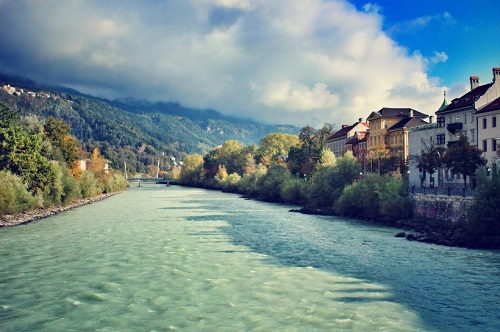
136,131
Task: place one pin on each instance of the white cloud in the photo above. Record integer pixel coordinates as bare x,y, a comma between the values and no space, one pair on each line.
299,62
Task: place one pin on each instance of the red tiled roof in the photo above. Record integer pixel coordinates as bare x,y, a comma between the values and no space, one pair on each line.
343,132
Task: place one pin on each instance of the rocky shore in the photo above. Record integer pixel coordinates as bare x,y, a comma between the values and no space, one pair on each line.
29,216
429,231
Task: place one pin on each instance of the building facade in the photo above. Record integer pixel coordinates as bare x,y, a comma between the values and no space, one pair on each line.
337,142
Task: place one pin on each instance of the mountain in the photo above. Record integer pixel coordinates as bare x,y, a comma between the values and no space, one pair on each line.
138,132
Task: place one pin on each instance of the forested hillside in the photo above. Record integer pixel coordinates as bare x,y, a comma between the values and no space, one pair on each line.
132,131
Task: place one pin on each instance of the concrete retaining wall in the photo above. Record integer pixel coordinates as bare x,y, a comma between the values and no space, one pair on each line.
440,207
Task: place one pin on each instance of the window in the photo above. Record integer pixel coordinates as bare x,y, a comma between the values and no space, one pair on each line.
472,135
440,139
494,122
440,122
485,145
484,123
465,117
493,144
458,117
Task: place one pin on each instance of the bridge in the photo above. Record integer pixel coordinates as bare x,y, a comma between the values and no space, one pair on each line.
153,180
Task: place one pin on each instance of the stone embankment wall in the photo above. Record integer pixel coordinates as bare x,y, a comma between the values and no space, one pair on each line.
440,207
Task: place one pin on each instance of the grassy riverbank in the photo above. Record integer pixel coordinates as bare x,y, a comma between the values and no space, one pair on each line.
32,215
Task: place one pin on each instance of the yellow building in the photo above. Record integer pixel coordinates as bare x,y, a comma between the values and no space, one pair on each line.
388,135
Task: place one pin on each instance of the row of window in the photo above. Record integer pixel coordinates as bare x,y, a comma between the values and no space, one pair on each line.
493,122
493,145
441,138
441,120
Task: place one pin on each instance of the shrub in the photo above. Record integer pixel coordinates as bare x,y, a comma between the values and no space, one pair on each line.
360,200
328,182
248,184
14,195
269,185
230,183
483,214
89,185
294,191
52,195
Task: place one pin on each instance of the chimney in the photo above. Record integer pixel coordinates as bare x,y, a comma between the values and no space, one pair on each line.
345,126
496,73
474,82
431,119
360,120
411,113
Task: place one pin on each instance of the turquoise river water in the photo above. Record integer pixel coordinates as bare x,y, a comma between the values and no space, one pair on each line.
159,258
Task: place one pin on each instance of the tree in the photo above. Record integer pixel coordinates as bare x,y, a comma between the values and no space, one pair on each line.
8,117
430,158
463,158
98,162
20,153
303,159
274,145
66,147
192,169
485,209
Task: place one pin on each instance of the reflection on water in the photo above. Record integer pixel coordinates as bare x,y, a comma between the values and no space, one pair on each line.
169,258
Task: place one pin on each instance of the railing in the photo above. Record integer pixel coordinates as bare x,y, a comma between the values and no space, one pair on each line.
449,191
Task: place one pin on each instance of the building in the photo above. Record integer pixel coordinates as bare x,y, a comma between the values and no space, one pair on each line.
337,142
459,117
388,135
417,137
357,145
488,130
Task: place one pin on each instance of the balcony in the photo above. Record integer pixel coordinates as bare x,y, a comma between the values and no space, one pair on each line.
454,127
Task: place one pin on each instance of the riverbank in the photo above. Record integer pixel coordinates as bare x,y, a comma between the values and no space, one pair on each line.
428,231
40,213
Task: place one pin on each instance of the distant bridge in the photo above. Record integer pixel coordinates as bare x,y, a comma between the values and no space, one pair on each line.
153,180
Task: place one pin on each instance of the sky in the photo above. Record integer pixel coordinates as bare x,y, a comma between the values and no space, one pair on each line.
299,62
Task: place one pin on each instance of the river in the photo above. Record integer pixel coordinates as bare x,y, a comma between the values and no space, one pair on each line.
159,258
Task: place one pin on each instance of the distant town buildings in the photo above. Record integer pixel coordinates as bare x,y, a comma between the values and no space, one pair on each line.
399,133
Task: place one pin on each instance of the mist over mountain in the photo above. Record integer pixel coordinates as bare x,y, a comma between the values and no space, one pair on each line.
135,131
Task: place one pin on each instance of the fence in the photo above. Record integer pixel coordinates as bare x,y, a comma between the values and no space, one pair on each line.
449,191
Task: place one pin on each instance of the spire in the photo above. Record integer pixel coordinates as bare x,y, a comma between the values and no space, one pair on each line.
444,104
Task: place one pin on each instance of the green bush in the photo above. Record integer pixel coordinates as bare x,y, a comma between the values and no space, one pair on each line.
14,195
72,189
375,197
52,195
394,202
483,214
360,200
294,191
230,183
328,182
89,184
269,186
249,184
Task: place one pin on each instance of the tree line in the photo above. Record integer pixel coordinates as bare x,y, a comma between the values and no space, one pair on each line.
298,170
39,165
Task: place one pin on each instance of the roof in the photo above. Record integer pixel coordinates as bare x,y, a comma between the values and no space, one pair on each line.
407,122
396,112
493,106
360,136
467,100
444,104
343,132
